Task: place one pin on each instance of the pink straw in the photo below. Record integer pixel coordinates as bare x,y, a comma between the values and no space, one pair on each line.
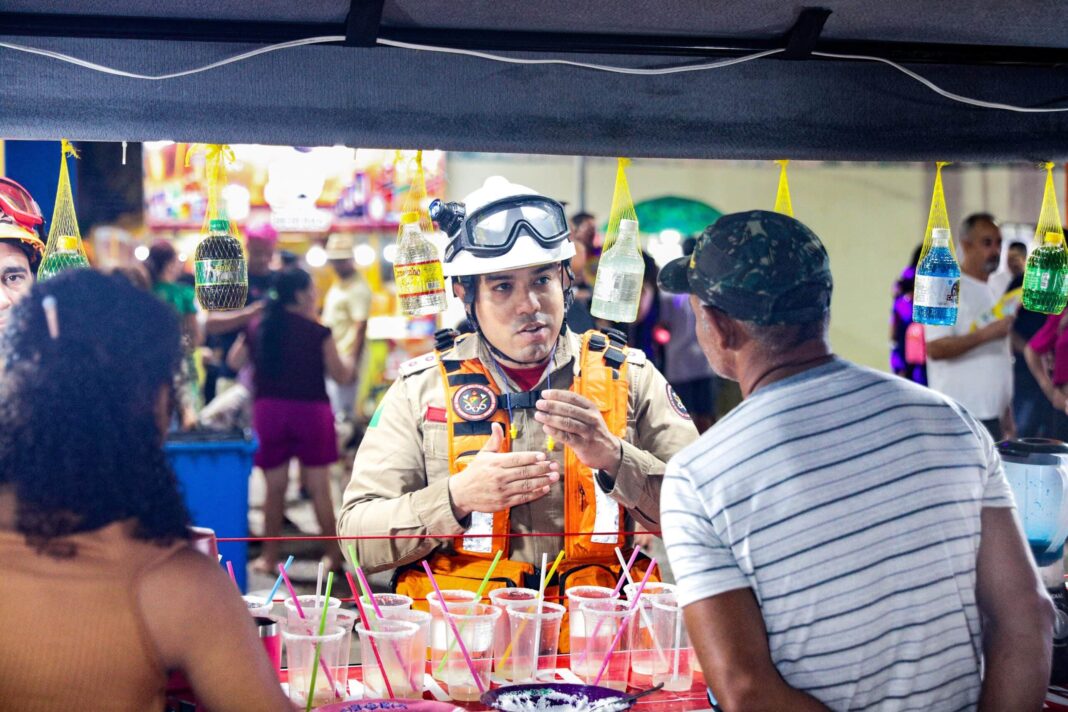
448,617
623,623
300,612
367,625
230,568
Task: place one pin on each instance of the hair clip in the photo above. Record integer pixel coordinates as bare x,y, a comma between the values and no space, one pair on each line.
51,316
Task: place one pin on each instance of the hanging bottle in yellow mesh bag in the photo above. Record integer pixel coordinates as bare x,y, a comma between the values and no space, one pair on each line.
936,296
64,250
219,267
417,271
1046,274
617,289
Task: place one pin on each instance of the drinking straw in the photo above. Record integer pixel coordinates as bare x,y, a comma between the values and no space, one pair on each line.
318,647
481,590
319,586
300,612
623,623
277,583
678,641
625,575
641,612
230,568
367,625
541,594
452,624
537,621
366,588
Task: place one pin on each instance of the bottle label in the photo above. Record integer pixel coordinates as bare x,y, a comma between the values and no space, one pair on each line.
417,279
937,292
613,286
212,272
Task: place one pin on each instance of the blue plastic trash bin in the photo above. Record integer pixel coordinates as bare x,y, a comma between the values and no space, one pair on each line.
214,478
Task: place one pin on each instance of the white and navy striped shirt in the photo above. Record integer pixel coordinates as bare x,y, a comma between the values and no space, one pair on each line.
849,501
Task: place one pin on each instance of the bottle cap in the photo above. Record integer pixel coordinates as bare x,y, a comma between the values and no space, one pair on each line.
628,226
940,233
219,225
409,218
1053,237
68,242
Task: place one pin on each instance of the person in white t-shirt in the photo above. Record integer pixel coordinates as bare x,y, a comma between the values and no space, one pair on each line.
971,361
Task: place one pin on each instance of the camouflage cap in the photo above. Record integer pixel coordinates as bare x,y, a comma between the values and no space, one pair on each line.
757,266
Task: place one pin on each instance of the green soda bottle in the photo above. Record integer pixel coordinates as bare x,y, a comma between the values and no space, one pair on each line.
1046,277
220,270
67,256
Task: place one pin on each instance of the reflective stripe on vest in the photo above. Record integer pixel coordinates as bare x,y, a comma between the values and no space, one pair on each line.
470,388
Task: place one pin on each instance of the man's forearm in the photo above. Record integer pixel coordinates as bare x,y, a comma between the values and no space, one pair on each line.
953,346
1016,664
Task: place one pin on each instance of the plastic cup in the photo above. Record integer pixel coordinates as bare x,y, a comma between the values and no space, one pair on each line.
670,630
647,658
388,601
300,657
502,635
310,605
420,652
345,619
535,640
397,643
256,606
475,622
603,620
578,627
438,626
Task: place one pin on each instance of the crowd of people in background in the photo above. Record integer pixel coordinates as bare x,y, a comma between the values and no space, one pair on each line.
1006,364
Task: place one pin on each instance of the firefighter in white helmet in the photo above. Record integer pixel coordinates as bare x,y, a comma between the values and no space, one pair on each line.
521,427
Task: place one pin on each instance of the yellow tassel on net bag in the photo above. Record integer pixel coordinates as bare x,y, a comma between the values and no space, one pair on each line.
64,249
783,204
617,288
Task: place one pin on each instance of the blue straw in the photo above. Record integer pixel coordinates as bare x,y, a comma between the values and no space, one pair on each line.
270,596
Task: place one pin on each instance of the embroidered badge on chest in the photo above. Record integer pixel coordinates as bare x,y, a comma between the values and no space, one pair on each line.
676,403
474,402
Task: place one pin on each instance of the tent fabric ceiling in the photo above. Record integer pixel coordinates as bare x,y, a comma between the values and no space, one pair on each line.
387,97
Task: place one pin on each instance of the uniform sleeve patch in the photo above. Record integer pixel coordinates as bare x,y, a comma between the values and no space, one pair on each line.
676,403
417,364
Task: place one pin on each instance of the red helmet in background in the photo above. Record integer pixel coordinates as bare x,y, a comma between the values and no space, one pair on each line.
17,203
20,218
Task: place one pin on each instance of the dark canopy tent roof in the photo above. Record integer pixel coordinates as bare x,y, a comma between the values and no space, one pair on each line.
352,92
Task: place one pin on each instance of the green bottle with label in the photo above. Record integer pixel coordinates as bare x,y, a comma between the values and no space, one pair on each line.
220,269
1046,277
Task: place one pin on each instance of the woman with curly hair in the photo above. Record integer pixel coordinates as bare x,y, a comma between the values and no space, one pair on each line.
102,594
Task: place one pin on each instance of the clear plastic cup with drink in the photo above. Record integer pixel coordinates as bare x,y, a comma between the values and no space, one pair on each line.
603,620
438,626
475,623
670,630
257,606
577,626
535,637
420,652
302,663
387,602
311,606
502,635
647,658
388,648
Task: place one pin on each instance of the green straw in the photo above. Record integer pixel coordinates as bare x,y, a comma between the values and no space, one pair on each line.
481,590
318,646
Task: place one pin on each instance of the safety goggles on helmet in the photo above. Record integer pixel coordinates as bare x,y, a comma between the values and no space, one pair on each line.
16,202
493,229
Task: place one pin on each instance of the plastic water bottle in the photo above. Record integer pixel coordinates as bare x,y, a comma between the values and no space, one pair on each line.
417,272
1046,277
68,256
937,291
220,269
618,287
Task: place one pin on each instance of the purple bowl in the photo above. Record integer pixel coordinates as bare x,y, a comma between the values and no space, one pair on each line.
576,693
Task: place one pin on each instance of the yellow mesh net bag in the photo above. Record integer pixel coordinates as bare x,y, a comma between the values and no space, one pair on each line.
64,249
622,205
220,265
1049,220
783,204
938,218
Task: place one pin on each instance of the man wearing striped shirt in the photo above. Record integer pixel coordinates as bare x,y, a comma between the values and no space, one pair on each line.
843,539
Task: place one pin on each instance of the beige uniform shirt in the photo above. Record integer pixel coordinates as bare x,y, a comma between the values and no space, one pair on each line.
400,478
347,302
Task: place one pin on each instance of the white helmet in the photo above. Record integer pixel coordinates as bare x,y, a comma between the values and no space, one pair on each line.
502,226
